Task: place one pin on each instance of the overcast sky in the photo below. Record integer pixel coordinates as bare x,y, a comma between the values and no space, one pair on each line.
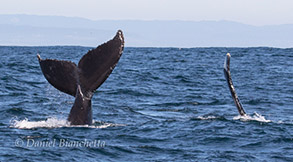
253,12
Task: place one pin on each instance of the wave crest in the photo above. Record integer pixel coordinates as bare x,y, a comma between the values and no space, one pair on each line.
206,117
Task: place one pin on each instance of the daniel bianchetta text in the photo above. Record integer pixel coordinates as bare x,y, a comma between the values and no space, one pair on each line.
59,143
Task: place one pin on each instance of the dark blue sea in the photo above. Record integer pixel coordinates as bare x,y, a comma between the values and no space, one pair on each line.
159,104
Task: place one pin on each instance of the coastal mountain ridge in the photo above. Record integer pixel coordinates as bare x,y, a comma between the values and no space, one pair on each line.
32,30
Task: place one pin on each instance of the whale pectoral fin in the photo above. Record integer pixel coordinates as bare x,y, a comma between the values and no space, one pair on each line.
97,64
227,74
61,74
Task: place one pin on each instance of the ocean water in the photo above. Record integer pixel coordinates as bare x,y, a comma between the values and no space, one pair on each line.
159,104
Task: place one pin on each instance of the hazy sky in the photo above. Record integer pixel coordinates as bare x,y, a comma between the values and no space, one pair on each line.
254,12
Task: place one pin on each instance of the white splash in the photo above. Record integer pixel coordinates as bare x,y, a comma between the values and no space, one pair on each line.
206,118
53,122
49,123
255,117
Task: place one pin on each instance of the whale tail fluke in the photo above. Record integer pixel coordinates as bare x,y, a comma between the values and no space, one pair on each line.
97,64
61,74
92,70
83,79
227,74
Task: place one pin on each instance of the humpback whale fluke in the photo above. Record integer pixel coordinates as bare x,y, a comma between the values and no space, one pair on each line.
231,86
83,79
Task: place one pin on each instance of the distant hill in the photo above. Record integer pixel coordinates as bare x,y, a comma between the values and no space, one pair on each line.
57,30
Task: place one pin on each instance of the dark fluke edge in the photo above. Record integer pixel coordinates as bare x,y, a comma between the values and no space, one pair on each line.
231,87
83,79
